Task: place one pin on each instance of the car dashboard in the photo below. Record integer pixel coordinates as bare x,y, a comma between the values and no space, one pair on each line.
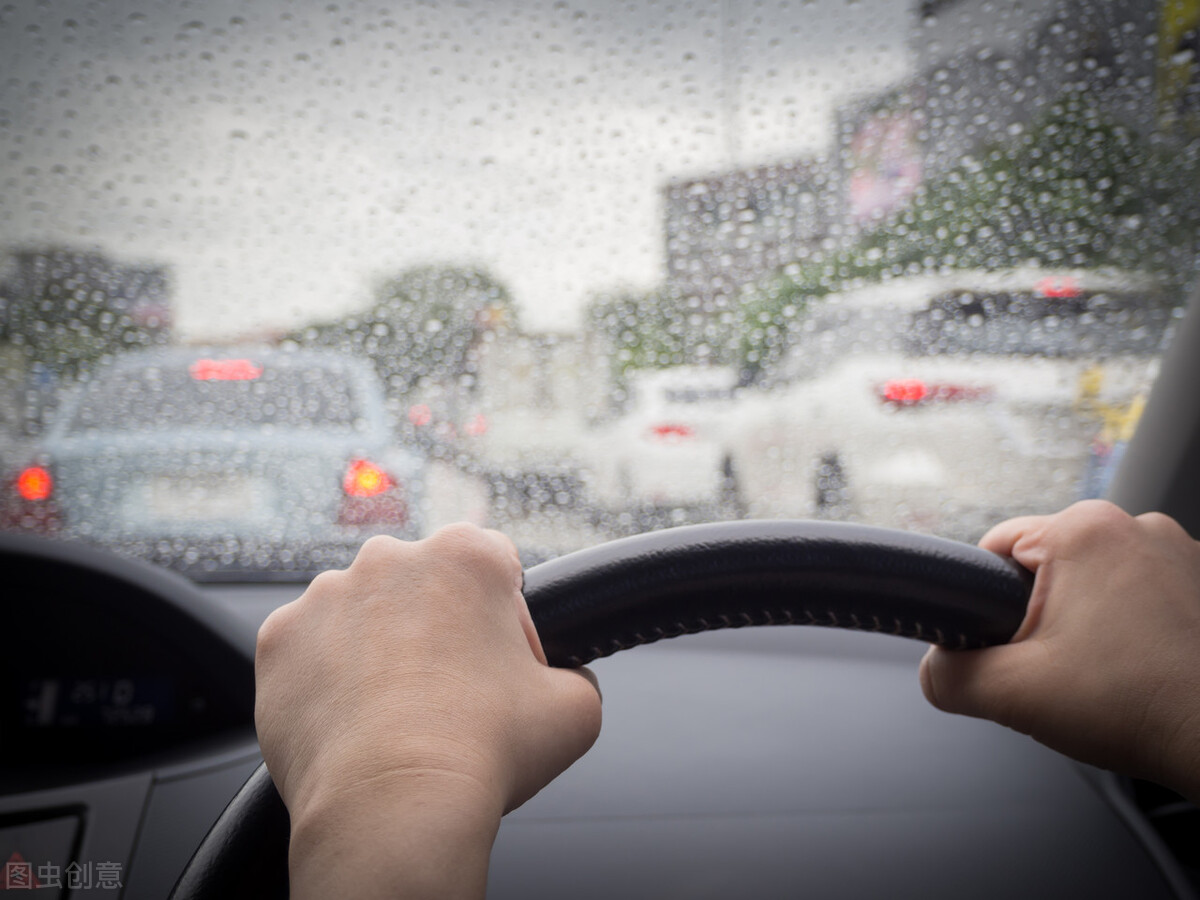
127,720
754,762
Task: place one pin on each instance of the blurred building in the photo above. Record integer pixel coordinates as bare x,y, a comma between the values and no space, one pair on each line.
731,228
985,70
990,66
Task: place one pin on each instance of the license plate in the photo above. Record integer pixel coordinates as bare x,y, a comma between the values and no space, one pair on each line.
205,498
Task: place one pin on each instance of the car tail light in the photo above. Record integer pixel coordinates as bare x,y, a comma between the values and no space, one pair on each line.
420,414
672,431
905,392
365,479
371,497
914,391
477,426
32,504
224,370
35,483
1062,287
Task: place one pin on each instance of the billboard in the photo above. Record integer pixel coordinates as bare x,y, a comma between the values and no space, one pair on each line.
886,162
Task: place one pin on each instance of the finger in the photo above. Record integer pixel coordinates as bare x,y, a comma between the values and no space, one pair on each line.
506,555
590,677
501,543
578,705
946,680
1002,538
984,683
530,630
567,714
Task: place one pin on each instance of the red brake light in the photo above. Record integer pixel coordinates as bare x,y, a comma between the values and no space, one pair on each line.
35,483
420,414
224,370
672,432
477,426
1055,288
905,391
365,479
914,391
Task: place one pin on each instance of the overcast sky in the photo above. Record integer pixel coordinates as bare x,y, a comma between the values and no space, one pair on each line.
281,157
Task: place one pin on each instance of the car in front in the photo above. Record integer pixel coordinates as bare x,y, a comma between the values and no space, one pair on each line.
666,459
223,461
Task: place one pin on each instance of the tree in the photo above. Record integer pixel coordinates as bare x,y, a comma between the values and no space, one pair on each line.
68,308
657,329
1076,189
425,323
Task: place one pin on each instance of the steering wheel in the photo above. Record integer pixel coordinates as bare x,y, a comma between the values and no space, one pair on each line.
641,589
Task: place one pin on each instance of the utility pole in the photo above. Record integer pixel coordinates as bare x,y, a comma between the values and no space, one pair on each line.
730,81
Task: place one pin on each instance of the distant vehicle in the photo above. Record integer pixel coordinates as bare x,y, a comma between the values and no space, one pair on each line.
192,457
896,392
522,461
670,452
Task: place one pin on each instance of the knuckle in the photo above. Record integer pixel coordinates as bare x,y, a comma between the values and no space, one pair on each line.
1161,523
1100,512
377,556
378,547
273,631
462,540
458,532
328,582
475,549
1090,521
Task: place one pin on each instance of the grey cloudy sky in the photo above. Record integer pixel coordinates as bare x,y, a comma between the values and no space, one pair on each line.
283,156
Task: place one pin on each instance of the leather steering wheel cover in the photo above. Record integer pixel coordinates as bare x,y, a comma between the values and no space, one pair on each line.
245,853
640,589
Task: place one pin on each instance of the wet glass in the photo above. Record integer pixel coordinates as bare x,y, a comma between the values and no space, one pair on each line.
614,266
160,399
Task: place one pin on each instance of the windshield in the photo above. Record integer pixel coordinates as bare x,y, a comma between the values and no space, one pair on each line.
217,395
606,267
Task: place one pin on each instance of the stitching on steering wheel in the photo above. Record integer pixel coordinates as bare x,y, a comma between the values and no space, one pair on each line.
913,629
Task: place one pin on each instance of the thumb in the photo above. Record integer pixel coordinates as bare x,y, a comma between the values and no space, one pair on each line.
984,683
579,705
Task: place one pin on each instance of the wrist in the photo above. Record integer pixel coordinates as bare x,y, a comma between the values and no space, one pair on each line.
1175,760
420,833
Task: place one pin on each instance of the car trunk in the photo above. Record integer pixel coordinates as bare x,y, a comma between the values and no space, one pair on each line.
144,487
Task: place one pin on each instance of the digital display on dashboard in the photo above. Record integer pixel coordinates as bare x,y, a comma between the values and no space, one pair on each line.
106,702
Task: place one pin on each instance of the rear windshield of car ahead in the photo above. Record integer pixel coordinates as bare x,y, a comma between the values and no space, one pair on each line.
170,398
697,395
1027,324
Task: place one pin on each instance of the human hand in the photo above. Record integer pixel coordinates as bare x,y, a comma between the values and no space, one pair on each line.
1105,666
406,702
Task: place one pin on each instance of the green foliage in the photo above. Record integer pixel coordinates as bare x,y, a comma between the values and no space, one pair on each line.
1076,189
67,309
424,324
658,329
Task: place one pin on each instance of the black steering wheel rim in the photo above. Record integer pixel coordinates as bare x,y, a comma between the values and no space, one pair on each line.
648,587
